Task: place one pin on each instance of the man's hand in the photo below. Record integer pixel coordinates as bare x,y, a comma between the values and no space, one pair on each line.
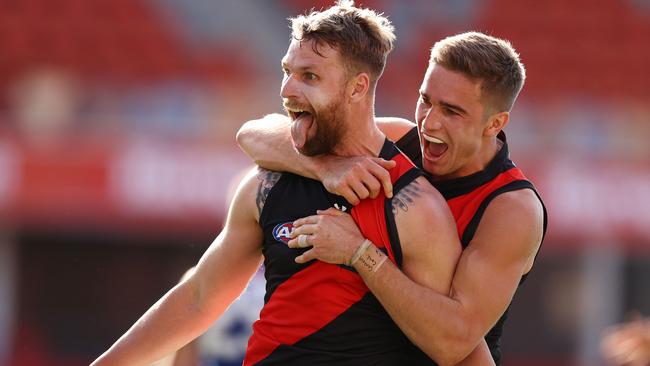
332,234
628,344
356,178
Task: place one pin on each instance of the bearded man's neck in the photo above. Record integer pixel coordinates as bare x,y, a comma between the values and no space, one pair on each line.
362,137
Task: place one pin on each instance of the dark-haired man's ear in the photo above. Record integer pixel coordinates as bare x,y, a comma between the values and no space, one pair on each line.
496,123
358,87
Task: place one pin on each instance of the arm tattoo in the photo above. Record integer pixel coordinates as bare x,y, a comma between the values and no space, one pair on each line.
406,197
267,180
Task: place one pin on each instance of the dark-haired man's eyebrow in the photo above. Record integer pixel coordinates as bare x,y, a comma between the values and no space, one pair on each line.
454,107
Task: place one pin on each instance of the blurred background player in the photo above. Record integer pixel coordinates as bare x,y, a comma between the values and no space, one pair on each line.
224,343
628,344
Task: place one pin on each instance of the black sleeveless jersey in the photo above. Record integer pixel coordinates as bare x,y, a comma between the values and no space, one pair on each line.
469,196
323,314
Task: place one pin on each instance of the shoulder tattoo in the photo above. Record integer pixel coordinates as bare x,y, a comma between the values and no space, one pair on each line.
267,180
405,197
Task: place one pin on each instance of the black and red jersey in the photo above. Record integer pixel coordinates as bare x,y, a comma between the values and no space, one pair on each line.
469,196
323,314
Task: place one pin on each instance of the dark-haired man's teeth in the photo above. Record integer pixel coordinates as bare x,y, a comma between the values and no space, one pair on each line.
433,139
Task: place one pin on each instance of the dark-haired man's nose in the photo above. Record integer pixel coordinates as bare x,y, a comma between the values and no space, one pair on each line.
432,120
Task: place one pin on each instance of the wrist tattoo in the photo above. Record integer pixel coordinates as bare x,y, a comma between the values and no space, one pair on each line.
405,197
267,180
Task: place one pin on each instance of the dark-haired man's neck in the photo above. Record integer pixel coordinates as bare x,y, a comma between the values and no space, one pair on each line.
489,151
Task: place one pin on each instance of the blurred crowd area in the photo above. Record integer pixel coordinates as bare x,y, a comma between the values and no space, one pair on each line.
117,125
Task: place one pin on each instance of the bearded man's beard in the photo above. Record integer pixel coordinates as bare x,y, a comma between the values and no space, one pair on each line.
330,129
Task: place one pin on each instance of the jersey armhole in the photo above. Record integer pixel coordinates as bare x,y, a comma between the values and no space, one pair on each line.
391,225
470,230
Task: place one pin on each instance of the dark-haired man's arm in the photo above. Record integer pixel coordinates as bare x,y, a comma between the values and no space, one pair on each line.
484,282
413,293
268,142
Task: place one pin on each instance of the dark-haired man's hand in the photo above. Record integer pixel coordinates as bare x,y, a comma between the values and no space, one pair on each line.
356,178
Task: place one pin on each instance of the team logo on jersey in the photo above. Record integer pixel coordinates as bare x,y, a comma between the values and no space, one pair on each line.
340,208
282,232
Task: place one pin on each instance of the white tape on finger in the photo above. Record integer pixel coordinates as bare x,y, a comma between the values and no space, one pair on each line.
302,241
